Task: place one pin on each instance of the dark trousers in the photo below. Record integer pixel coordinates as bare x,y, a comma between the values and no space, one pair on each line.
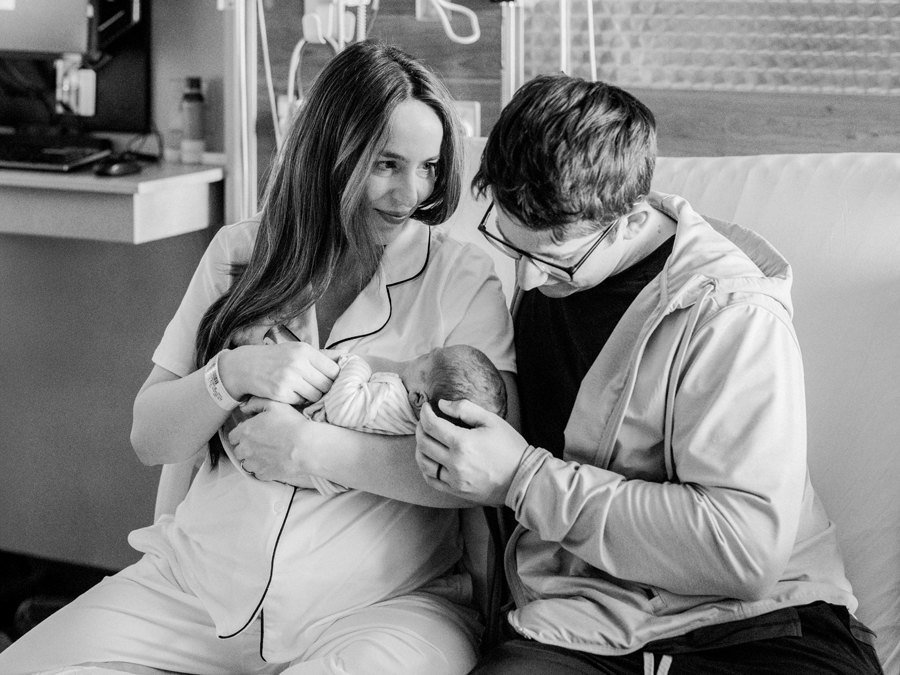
829,642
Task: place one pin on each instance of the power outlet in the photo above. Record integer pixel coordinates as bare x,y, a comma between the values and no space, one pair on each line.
470,115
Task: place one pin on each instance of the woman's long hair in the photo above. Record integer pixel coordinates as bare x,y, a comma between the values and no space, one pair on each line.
313,219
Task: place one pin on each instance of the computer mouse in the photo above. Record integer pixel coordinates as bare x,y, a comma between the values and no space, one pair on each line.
116,166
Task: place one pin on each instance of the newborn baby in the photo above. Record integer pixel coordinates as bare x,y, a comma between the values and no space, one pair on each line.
389,401
385,397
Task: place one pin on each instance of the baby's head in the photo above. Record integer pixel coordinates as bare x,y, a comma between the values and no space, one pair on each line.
454,373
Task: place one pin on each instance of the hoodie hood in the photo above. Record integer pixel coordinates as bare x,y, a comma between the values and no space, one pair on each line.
736,259
735,263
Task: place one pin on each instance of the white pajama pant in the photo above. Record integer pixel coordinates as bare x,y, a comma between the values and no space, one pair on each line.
140,616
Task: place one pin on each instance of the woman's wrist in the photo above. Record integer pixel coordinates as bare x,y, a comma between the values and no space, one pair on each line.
304,457
229,367
215,387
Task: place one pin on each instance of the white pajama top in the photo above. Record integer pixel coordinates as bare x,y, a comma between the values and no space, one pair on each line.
295,558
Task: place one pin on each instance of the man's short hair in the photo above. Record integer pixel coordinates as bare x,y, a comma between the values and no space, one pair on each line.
567,150
464,372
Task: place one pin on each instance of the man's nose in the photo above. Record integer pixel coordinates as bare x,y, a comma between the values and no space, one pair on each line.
529,275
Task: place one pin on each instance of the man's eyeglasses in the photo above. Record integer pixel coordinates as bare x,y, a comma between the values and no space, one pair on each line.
566,273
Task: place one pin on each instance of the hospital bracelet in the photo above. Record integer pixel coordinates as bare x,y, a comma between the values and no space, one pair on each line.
215,387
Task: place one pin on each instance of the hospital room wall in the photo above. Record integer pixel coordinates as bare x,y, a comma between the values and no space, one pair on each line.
80,320
721,123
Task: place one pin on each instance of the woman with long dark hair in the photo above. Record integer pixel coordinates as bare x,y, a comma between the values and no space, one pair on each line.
257,573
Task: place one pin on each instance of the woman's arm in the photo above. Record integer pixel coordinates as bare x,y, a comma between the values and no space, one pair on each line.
278,443
175,416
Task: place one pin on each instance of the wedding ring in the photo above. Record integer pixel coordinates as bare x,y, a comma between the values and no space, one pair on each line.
249,473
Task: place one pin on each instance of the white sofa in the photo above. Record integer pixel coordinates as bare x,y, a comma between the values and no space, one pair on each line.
836,218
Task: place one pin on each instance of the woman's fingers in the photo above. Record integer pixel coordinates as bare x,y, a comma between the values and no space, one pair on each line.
318,370
308,389
292,373
254,405
263,444
333,354
325,361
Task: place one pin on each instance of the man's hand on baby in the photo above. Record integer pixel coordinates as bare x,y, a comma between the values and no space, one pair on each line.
291,372
477,463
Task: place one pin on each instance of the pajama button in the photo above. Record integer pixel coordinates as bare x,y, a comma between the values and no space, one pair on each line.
278,507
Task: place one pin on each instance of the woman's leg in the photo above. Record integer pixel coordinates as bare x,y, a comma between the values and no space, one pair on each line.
109,669
138,616
413,635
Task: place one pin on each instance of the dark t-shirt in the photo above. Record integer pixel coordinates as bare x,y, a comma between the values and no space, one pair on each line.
558,339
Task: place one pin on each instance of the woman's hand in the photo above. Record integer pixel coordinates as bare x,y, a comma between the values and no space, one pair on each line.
290,372
478,463
279,444
266,445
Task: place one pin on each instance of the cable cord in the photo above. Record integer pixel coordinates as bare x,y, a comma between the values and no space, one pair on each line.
444,8
372,15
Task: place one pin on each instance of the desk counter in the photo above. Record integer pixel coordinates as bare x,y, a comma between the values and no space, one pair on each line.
81,311
162,201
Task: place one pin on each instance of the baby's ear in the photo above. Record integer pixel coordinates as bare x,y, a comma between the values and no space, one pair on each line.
417,399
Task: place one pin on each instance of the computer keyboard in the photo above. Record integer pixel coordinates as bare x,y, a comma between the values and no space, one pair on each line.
51,153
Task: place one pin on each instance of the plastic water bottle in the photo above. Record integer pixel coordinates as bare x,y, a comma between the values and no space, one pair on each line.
193,143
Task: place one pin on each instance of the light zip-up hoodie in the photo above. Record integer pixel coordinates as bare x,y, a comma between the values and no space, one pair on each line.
683,498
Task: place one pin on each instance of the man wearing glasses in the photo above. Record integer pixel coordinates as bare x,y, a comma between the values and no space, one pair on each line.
666,523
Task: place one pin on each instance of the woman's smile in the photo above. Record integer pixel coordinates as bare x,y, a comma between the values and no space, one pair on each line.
397,218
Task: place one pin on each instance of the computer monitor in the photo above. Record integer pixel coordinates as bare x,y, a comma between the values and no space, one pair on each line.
44,26
113,38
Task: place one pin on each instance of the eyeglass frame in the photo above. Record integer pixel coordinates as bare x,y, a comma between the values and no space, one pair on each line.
504,247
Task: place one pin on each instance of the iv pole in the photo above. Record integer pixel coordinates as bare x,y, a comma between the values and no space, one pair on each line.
241,110
512,46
